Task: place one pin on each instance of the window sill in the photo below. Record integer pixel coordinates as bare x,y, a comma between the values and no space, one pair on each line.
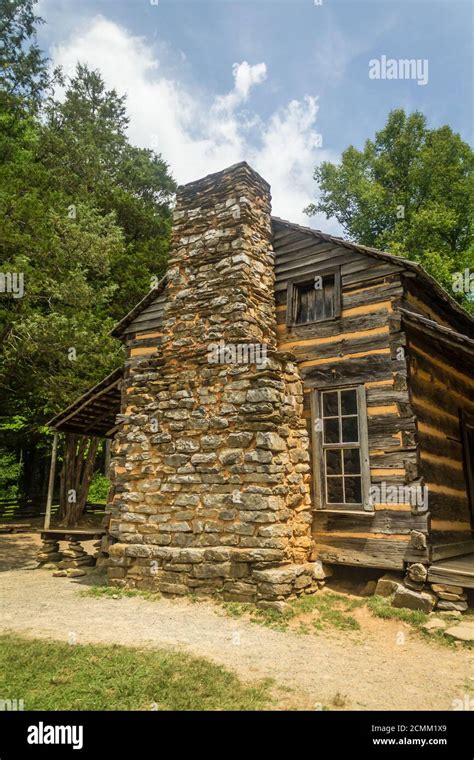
313,321
358,512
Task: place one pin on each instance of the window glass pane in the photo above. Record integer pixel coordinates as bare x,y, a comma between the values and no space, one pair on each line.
334,461
330,407
349,402
351,461
341,447
334,490
353,490
350,432
331,430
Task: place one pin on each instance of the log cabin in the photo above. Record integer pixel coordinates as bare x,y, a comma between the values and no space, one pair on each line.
351,444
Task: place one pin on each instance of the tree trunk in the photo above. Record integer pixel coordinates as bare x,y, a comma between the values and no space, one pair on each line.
79,459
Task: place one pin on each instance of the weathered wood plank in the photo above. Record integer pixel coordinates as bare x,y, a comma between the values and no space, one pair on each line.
454,549
295,249
375,366
458,571
419,299
375,271
147,326
382,521
370,552
353,298
146,315
335,328
313,262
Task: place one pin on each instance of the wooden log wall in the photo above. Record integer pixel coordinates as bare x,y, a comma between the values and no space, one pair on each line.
148,321
364,346
143,335
441,383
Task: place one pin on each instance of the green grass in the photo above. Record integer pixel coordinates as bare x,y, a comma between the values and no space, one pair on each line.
49,675
334,611
381,607
324,609
103,591
112,592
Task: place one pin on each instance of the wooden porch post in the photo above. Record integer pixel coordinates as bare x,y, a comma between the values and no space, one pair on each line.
52,472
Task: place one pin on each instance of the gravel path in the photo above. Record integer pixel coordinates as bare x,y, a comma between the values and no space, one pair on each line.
369,669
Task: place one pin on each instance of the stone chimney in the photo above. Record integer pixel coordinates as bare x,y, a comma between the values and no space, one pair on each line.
211,487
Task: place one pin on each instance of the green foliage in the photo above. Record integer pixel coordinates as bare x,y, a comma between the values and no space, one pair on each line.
9,474
133,183
408,191
85,223
55,676
55,340
334,611
25,75
99,488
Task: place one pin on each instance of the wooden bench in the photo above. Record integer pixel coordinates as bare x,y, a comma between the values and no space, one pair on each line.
69,534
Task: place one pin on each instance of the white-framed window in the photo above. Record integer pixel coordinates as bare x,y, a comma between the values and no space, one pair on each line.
340,448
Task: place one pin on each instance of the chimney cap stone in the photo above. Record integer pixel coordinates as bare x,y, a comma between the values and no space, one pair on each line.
234,169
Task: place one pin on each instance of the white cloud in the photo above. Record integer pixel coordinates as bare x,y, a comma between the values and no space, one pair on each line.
246,76
198,132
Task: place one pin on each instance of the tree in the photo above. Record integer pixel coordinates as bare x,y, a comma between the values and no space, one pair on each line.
85,148
85,222
408,191
55,338
56,344
25,74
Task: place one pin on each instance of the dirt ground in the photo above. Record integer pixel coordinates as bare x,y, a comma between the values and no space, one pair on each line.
363,670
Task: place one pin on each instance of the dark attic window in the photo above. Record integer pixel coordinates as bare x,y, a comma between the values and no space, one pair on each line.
314,298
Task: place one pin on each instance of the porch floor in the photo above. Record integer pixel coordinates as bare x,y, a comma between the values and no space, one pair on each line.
457,571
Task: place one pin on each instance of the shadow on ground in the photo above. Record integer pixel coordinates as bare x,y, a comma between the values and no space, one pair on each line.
18,551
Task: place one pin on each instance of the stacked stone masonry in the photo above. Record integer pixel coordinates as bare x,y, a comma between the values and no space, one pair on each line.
211,464
414,592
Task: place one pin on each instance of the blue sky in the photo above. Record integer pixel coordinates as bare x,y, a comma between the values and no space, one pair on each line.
281,84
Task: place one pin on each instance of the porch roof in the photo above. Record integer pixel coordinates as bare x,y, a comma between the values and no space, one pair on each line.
95,412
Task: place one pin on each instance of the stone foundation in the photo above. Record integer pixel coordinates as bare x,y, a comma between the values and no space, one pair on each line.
230,574
413,592
211,462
